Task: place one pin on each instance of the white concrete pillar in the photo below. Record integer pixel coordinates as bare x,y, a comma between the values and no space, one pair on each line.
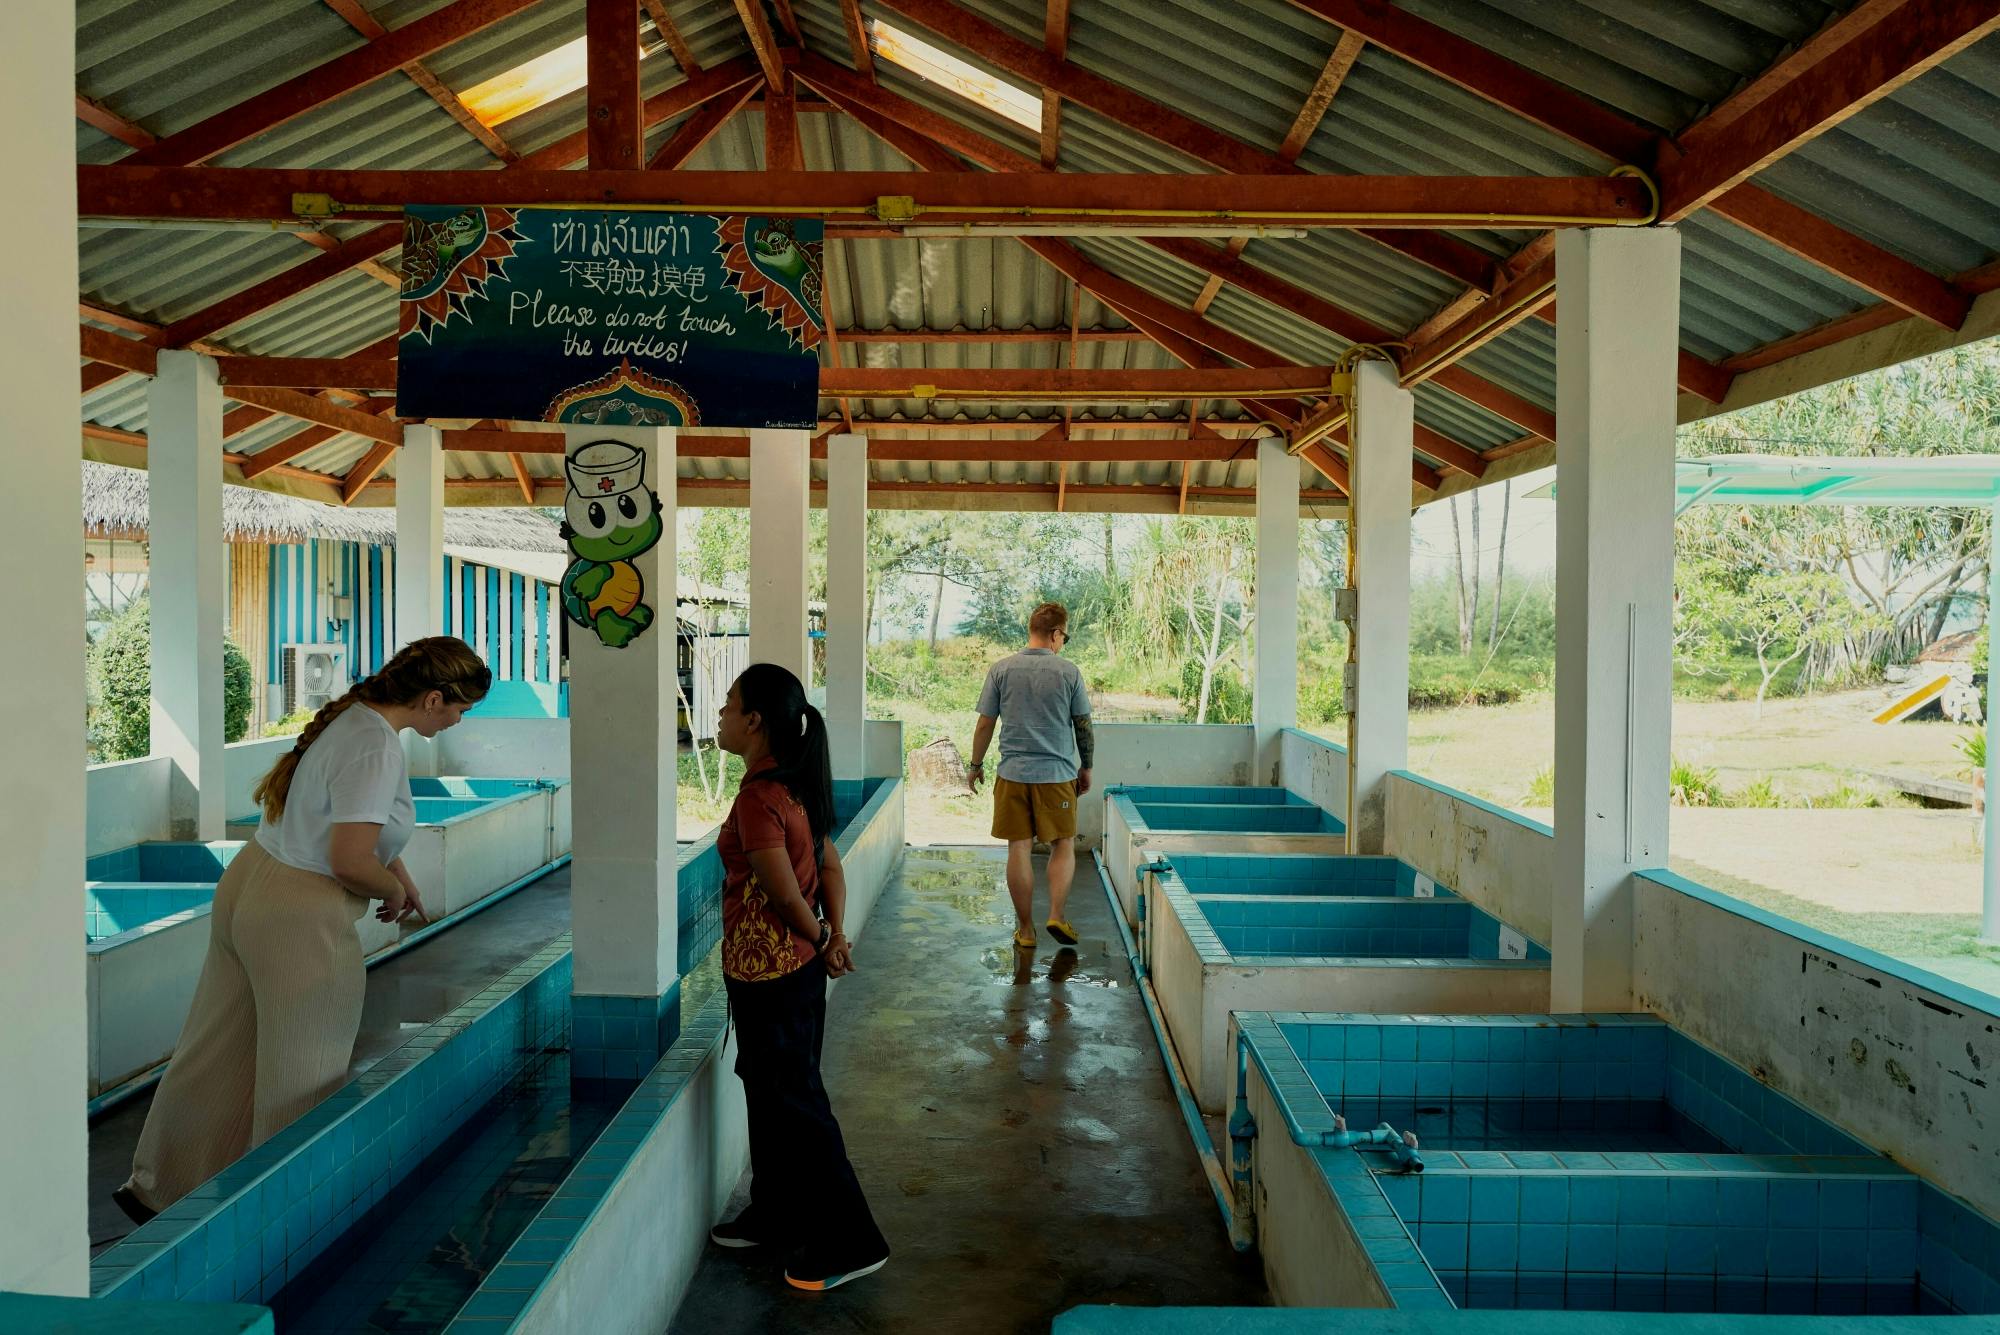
419,534
188,579
420,558
847,603
780,494
624,736
44,1245
1378,729
1615,363
1275,691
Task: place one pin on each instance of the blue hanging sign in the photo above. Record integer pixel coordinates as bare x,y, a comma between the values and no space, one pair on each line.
607,318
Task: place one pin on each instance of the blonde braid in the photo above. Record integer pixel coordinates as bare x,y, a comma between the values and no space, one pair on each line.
437,663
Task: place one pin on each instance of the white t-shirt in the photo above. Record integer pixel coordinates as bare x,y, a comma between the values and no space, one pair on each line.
353,772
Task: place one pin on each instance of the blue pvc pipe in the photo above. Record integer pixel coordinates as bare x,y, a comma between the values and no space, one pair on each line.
1204,1147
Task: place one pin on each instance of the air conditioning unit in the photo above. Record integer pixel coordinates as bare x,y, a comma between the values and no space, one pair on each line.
314,675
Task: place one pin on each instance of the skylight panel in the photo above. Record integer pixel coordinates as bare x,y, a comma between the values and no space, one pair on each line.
535,83
946,70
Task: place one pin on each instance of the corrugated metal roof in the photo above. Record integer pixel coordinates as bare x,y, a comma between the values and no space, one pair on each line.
1917,173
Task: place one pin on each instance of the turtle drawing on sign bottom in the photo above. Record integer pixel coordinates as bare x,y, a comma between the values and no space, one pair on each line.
610,519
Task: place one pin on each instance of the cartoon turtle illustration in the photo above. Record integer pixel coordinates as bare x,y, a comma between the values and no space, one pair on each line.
610,518
431,248
778,256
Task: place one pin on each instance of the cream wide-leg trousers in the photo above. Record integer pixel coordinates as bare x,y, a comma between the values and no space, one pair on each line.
271,1029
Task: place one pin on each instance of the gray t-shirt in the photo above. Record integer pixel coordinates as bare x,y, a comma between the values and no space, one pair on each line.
1036,694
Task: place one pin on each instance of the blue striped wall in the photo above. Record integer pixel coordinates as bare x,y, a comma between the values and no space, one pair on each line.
508,618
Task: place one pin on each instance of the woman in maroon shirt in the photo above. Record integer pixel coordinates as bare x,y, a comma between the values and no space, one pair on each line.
783,894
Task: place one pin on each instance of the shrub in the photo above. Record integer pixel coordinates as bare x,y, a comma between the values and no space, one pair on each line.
1541,788
1760,793
1693,785
1845,796
290,725
1320,699
121,668
1228,694
1972,745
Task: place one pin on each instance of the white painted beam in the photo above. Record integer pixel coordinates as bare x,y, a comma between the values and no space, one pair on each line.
189,586
847,603
780,495
1378,731
1615,362
44,1246
1275,690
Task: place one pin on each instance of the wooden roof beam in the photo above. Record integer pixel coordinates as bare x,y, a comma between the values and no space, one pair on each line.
359,19
1309,306
702,125
763,43
1055,41
1043,449
1267,377
367,246
364,470
320,85
1318,99
617,127
1581,120
858,49
1160,122
1903,43
950,199
663,23
782,150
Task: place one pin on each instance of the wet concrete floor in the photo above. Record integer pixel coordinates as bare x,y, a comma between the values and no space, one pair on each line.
404,995
1012,1123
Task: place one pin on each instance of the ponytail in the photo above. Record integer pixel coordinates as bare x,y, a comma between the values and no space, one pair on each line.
796,734
439,663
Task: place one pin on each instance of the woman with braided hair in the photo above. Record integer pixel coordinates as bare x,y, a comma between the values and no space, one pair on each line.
274,1017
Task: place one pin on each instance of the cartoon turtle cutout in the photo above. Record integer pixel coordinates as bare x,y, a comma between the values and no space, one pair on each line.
610,518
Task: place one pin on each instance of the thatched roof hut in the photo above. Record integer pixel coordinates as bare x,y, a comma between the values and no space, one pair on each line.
116,504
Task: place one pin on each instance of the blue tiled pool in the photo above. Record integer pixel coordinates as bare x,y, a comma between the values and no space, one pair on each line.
142,884
1239,817
1606,1163
1252,926
1302,874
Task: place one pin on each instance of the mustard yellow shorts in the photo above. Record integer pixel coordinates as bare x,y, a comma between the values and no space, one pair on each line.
1044,811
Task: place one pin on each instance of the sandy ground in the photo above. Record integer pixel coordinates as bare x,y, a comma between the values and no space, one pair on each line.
1804,746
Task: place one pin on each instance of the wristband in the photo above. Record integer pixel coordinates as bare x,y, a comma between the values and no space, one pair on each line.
825,937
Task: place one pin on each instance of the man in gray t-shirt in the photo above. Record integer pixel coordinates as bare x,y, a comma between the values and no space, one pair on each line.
1046,749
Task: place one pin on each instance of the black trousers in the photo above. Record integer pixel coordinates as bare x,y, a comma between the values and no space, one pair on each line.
802,1189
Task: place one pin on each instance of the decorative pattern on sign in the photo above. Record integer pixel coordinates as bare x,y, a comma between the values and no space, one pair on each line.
625,397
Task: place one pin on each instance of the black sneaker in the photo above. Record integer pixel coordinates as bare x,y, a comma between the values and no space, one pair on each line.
816,1275
134,1208
742,1231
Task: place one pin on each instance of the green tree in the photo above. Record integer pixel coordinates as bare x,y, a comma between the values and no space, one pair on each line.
1909,565
121,674
1778,616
